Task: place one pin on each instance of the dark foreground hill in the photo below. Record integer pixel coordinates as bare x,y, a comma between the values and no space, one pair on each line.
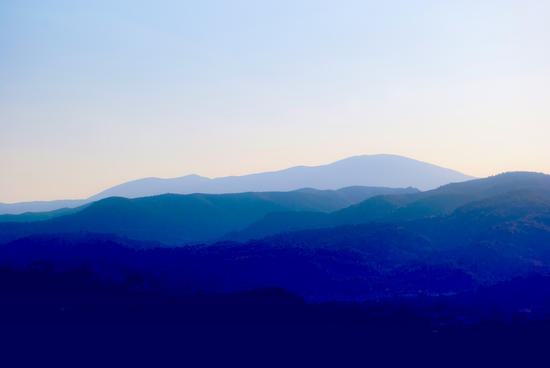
71,316
178,219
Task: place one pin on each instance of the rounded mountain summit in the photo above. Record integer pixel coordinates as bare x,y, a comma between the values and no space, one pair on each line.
381,170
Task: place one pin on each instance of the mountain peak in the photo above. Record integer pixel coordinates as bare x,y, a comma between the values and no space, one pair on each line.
380,170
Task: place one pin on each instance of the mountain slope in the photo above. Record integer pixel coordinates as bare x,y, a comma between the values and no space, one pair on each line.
391,208
443,200
177,219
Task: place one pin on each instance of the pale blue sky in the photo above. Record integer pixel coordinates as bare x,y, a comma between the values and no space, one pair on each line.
94,93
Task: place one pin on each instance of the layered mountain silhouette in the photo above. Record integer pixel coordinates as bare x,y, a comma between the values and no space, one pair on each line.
464,237
367,170
183,219
178,219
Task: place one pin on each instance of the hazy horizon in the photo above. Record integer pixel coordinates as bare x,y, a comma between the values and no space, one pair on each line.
97,94
382,181
244,173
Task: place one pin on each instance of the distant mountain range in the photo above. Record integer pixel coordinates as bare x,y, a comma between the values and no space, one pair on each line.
176,219
367,170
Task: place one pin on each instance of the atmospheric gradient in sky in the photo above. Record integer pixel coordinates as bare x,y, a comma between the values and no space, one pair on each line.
93,94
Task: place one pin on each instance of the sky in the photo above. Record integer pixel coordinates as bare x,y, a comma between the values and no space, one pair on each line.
95,93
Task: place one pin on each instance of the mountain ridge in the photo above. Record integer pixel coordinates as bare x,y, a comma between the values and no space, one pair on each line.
401,207
381,170
185,218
